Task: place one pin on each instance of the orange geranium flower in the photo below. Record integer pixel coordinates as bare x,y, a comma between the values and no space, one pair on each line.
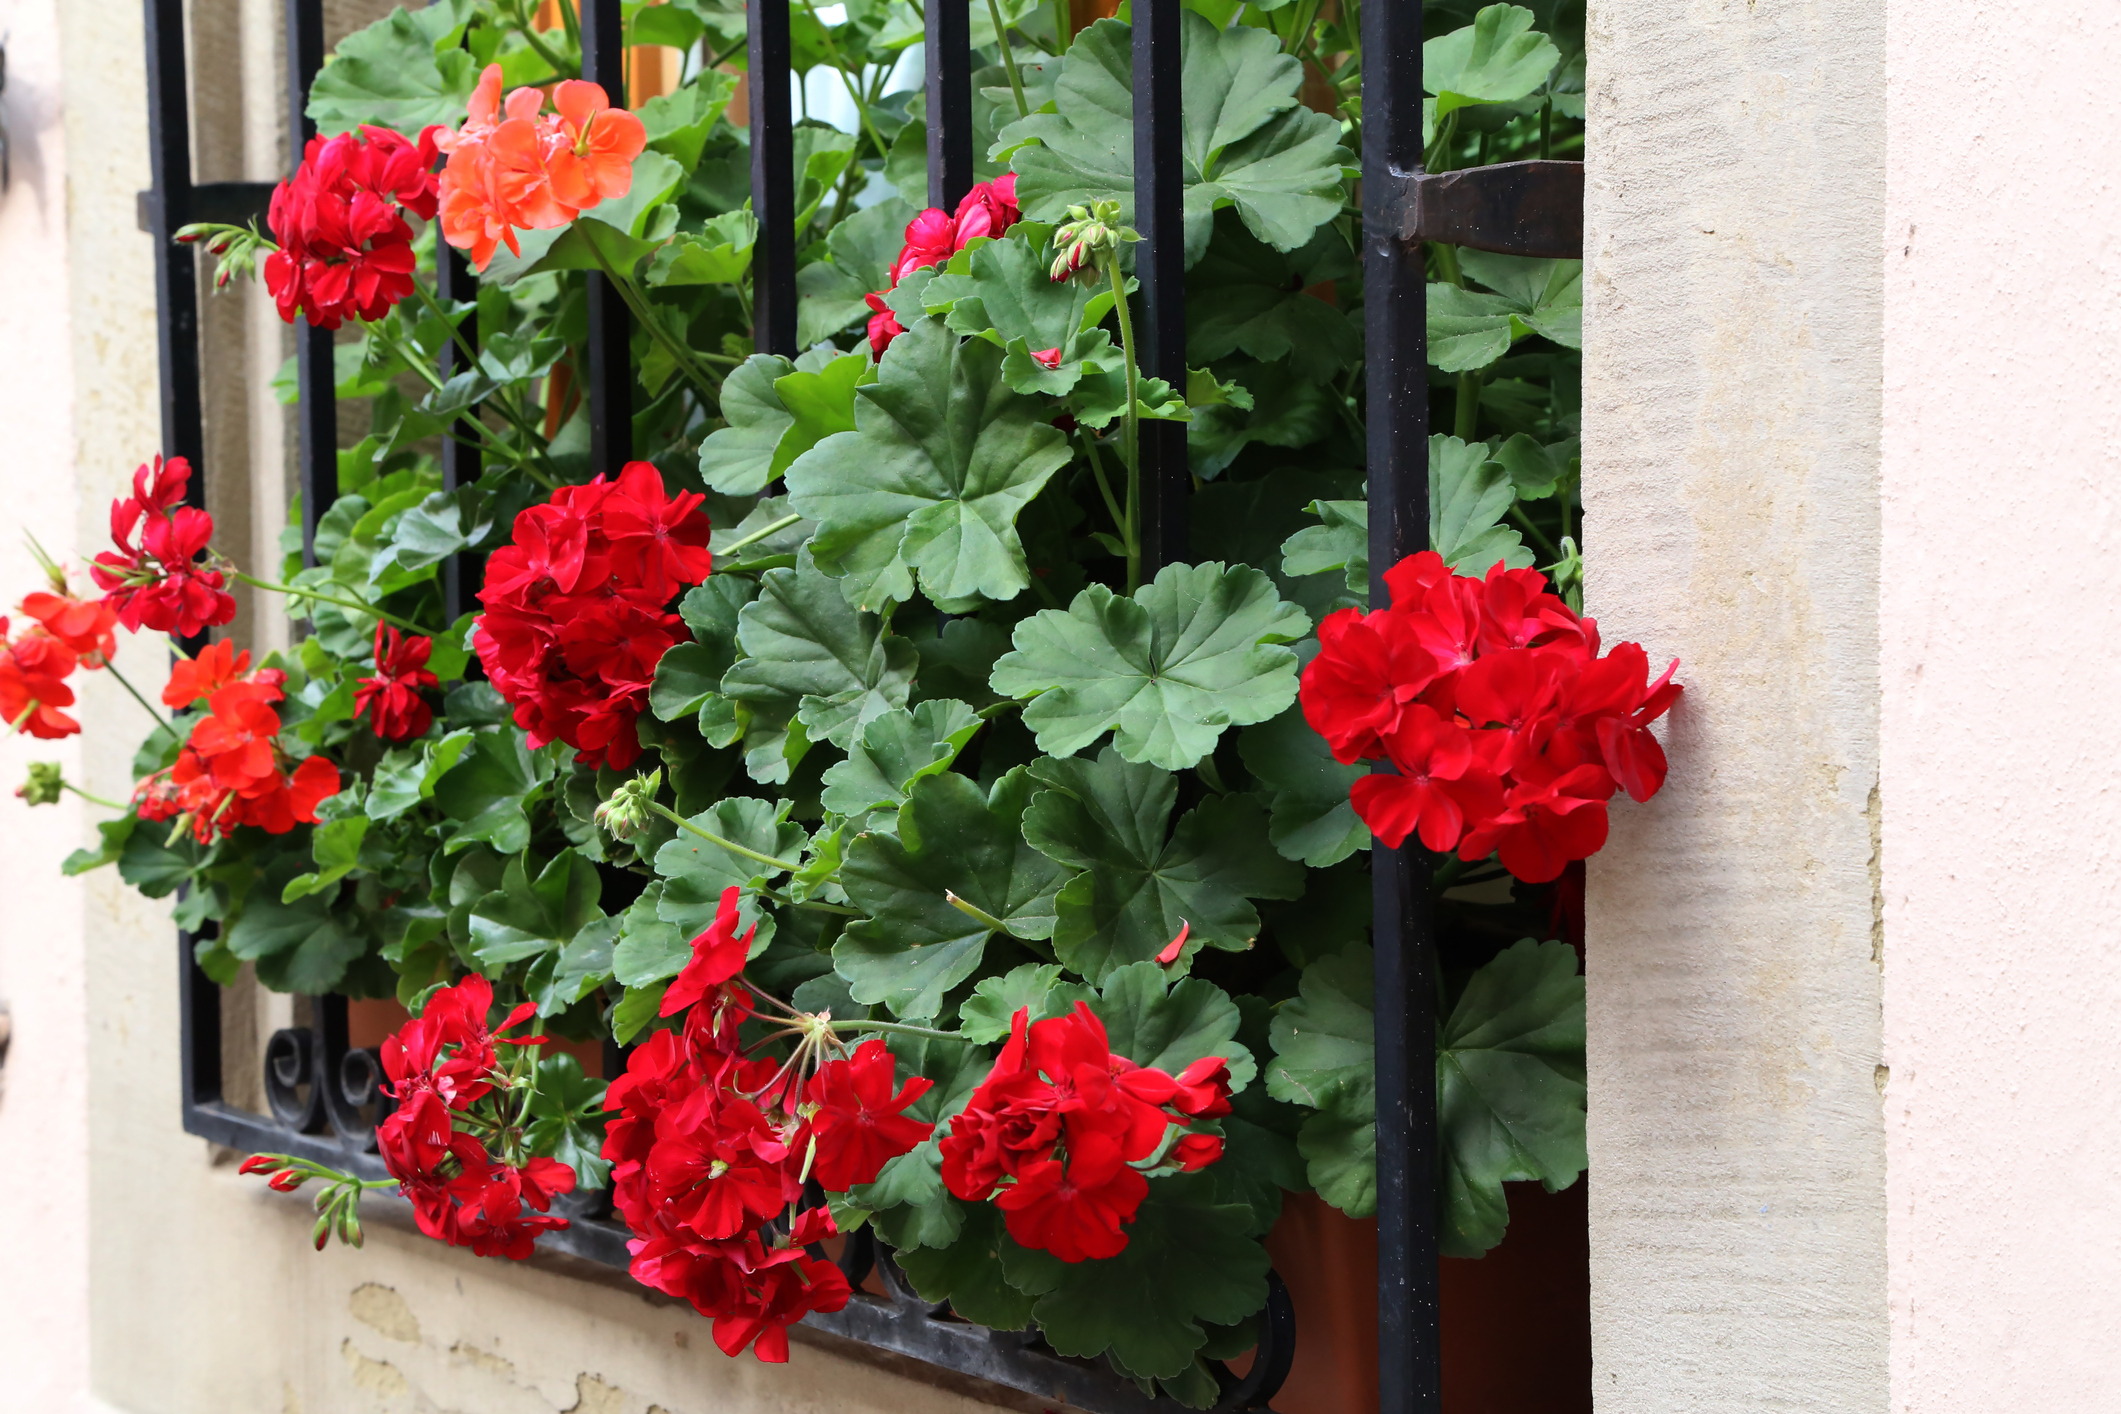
597,162
513,167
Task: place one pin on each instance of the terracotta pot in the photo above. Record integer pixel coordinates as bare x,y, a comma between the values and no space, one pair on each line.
1516,1323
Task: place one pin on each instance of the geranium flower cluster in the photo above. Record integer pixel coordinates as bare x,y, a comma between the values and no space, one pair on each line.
711,1150
576,608
233,770
390,696
1061,1131
451,1089
935,235
1506,730
345,250
159,583
513,167
66,633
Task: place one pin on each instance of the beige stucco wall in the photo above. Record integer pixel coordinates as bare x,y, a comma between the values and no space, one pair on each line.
2002,824
137,1270
1731,425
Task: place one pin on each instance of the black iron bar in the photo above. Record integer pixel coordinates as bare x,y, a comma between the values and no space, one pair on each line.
772,180
1395,299
609,376
455,283
948,54
316,406
1160,265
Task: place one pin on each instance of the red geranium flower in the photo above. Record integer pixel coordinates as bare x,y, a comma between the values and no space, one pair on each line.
577,609
391,696
860,1125
32,687
345,250
718,954
83,625
159,583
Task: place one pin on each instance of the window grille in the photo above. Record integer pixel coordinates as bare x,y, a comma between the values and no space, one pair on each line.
323,1094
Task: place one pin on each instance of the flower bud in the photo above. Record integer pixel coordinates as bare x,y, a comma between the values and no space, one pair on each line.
44,784
1089,233
349,1227
628,812
259,1163
287,1180
321,1233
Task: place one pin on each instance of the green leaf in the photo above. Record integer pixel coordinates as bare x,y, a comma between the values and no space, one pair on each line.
740,459
1342,543
302,946
1245,297
1188,1262
524,918
696,871
895,750
567,1120
1004,295
717,255
1537,471
1510,1088
809,653
486,792
1197,651
636,1012
943,458
336,846
1168,1027
989,1013
1467,329
1468,497
402,72
155,867
1499,58
678,123
821,401
915,946
1325,1058
967,1272
1246,142
648,949
1311,818
113,836
1543,296
830,292
582,967
1108,818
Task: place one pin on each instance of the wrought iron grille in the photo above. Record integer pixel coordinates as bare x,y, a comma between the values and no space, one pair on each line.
323,1094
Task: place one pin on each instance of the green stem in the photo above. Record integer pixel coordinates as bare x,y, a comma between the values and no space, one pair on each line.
1468,419
731,845
27,713
1001,40
160,720
93,799
358,605
832,52
1524,523
529,31
760,534
974,912
1131,440
679,355
897,1028
1104,487
571,21
505,406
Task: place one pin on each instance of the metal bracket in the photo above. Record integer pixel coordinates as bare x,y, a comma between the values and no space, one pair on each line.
227,203
1515,208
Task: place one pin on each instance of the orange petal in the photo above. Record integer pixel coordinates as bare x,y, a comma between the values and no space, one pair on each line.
577,101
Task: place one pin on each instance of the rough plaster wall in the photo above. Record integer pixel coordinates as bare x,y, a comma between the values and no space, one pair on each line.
2002,517
1731,421
43,1093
